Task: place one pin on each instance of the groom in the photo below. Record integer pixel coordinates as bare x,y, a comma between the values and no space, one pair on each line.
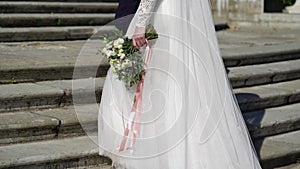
125,8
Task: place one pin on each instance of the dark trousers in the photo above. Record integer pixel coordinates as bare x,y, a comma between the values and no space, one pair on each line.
125,13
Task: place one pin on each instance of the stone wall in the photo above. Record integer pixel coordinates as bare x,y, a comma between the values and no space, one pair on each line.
252,12
238,10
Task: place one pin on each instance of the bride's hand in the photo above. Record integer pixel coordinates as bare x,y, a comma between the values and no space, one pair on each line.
138,38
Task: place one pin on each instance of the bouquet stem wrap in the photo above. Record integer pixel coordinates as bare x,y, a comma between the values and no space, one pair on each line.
133,123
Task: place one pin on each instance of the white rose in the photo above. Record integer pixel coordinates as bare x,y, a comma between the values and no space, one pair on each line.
120,40
116,43
109,53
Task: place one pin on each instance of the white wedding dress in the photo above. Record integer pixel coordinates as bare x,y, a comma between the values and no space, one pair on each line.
190,118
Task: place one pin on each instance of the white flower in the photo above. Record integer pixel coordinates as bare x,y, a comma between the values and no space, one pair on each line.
116,43
109,53
120,40
113,53
105,40
109,45
119,46
104,50
118,66
121,55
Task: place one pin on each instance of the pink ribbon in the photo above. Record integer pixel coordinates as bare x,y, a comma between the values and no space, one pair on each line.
136,111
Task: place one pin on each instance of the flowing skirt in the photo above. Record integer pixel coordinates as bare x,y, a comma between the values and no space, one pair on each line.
190,117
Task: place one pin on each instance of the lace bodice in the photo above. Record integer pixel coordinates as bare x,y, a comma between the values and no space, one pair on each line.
144,12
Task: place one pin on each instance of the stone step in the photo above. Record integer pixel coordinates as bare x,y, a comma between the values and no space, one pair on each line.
57,60
47,94
58,93
270,95
264,73
44,124
54,33
285,20
63,153
62,19
58,7
105,166
83,1
31,61
273,152
279,150
290,166
239,76
241,56
49,33
273,121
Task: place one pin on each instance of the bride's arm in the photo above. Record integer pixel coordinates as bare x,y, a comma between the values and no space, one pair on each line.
143,15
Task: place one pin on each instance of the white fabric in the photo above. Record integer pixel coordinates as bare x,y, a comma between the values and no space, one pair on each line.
144,12
190,118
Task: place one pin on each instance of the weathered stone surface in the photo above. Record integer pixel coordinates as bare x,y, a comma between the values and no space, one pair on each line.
63,68
64,153
273,151
58,7
267,19
26,126
46,33
240,56
58,93
22,20
264,73
50,33
273,121
32,61
78,91
290,166
294,86
69,0
50,93
94,167
279,150
259,97
28,95
33,125
60,122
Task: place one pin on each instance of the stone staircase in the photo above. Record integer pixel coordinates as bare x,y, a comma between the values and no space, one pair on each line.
59,20
39,127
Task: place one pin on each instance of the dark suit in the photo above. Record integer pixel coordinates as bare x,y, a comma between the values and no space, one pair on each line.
125,13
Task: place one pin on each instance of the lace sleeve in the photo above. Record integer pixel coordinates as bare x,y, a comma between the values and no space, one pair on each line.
144,12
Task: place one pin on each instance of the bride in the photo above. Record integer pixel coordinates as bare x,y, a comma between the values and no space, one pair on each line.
190,118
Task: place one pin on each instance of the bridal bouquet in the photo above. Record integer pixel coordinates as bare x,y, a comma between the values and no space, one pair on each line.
127,61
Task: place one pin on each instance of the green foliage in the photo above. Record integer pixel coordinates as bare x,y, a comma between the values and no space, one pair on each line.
58,21
288,2
151,32
91,22
13,81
